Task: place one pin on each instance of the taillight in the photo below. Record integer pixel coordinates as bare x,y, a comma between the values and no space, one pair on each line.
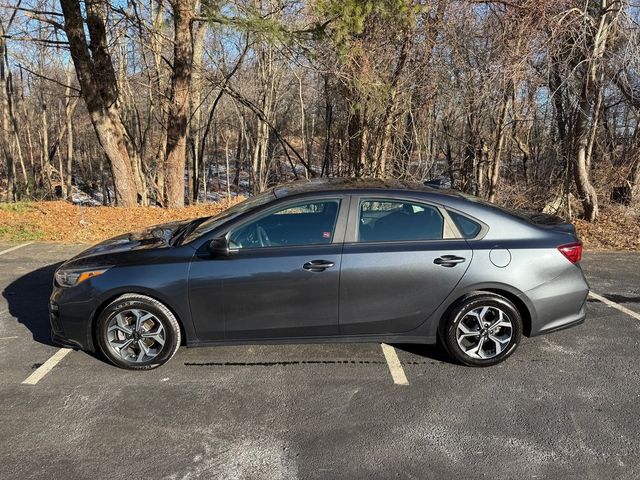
573,251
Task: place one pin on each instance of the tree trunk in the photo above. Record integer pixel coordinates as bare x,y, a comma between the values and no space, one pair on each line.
178,121
30,145
583,184
5,121
328,122
494,177
45,166
237,163
70,108
227,137
634,179
585,189
12,134
390,108
268,85
196,109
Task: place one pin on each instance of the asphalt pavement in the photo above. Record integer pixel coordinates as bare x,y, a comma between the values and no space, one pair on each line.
565,405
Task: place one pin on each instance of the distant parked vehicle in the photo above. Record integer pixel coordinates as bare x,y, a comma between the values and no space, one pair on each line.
324,261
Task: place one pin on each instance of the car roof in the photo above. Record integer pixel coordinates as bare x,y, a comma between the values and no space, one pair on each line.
352,185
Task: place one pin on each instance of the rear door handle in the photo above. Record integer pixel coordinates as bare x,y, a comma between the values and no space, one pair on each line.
318,265
448,260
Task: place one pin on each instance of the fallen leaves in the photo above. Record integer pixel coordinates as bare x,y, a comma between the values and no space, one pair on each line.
61,221
617,228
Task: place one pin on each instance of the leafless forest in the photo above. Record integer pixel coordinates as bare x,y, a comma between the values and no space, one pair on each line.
530,103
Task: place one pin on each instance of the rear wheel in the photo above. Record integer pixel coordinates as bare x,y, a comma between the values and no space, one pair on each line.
138,332
482,329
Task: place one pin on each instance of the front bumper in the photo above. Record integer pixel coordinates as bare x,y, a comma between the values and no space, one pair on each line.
70,319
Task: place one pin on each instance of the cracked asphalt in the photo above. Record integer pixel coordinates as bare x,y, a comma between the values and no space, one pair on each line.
565,405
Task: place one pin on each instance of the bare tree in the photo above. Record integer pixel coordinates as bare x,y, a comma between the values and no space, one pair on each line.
97,79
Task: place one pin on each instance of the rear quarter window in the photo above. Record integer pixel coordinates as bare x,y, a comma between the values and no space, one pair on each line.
468,228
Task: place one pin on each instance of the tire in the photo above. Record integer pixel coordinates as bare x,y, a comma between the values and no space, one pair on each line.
468,323
146,324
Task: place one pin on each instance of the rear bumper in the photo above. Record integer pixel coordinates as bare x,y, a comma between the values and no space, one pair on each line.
564,326
560,303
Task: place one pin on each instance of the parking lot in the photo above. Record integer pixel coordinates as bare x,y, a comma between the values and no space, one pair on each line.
566,405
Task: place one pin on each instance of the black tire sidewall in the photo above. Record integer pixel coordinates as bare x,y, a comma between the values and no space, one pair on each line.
120,305
457,313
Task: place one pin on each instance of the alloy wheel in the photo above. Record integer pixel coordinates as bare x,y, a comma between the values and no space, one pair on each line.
135,335
484,332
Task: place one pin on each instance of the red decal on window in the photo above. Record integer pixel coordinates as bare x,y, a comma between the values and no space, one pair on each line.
326,234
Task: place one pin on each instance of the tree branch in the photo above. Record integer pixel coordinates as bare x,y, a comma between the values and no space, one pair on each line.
21,67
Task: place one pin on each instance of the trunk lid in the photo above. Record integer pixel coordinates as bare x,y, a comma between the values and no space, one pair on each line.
548,221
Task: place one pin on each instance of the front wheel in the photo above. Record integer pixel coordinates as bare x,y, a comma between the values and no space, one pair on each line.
137,332
482,329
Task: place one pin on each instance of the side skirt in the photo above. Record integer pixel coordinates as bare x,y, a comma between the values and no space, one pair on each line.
334,339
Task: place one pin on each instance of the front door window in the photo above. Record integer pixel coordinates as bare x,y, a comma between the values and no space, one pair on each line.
308,223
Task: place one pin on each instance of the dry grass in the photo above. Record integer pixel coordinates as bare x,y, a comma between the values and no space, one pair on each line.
617,229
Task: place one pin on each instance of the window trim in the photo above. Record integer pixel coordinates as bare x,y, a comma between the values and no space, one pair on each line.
449,231
484,228
290,202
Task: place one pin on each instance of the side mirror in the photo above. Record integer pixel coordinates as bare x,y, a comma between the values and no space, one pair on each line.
219,247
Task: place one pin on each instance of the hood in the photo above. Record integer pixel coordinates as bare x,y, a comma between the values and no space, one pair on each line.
157,236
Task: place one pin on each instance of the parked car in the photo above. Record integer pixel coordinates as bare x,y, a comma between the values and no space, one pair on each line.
324,261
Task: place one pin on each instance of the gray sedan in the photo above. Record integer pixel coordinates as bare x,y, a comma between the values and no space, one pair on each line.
346,260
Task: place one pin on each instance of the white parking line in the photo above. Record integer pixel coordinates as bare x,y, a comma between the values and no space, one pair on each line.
615,305
15,248
46,367
9,338
395,367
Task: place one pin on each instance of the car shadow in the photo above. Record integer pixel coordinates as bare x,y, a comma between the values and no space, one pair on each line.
621,298
434,352
28,301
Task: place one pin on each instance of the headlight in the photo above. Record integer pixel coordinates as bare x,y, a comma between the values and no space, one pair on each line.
70,278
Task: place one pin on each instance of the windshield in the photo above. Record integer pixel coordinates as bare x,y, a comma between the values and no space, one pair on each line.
214,222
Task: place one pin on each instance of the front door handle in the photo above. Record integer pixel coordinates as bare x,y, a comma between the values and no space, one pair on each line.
448,260
318,265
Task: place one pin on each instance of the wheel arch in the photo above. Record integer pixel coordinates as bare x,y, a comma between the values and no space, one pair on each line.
514,296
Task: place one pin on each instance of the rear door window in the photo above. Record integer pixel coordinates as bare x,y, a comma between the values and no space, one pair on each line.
397,221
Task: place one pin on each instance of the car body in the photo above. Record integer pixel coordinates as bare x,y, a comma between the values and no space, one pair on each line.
331,260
